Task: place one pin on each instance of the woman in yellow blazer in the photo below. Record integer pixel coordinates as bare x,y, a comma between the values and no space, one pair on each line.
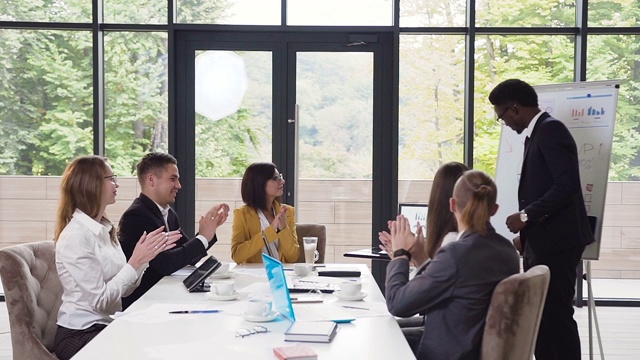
263,225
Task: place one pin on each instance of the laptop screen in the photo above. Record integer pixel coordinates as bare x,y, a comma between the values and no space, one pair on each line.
278,284
415,213
282,298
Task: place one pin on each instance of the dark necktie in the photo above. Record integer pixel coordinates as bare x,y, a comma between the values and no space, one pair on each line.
526,143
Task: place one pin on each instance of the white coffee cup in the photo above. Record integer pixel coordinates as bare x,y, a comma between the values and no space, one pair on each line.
310,244
222,288
223,269
302,269
350,288
259,307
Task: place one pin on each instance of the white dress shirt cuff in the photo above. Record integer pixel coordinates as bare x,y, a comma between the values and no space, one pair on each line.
130,275
142,269
204,240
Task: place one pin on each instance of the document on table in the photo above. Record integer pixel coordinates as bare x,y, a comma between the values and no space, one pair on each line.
256,272
361,309
185,271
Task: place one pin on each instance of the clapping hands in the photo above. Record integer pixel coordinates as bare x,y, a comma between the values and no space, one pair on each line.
210,222
151,244
280,221
401,237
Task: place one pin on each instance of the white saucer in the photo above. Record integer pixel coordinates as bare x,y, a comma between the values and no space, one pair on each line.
252,318
226,275
356,297
233,296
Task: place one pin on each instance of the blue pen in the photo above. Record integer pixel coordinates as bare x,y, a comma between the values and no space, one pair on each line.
195,312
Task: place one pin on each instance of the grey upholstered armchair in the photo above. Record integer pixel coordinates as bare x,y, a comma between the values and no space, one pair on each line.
317,230
514,314
33,294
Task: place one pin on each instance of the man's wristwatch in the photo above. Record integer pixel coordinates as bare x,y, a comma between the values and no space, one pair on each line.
402,252
523,216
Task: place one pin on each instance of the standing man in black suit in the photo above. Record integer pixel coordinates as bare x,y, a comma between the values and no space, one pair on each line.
160,181
552,221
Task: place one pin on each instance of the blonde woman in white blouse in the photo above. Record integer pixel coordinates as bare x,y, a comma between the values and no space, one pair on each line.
91,265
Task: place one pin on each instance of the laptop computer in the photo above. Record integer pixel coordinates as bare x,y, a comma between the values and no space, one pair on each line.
415,213
284,305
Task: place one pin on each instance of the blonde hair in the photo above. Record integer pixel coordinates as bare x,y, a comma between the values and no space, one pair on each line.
475,194
81,189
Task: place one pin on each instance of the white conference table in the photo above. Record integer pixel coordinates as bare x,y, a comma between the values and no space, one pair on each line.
147,331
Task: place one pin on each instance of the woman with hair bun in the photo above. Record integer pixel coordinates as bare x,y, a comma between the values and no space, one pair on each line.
455,288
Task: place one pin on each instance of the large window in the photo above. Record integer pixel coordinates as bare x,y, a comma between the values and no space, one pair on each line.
46,107
70,80
135,97
431,106
529,13
539,59
616,57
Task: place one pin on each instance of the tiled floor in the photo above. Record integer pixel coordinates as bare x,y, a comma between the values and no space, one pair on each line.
619,327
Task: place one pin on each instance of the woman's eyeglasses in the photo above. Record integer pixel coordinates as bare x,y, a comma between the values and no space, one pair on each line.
277,177
113,179
255,330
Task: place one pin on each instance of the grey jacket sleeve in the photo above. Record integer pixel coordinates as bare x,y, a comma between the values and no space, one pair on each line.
434,285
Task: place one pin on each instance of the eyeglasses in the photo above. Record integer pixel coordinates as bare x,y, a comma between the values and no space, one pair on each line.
113,179
247,332
278,177
501,115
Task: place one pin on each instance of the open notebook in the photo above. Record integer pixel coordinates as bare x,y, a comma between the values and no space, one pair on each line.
282,299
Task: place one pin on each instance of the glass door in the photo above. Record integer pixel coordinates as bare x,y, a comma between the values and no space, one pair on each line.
332,93
309,107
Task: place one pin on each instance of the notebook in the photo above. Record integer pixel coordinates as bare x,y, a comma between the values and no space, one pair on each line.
304,312
296,352
311,331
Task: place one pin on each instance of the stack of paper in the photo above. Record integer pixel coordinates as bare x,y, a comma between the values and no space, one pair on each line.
311,331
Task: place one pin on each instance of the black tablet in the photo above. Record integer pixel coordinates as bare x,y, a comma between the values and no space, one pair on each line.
195,281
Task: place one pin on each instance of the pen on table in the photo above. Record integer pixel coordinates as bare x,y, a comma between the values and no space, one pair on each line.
355,307
194,311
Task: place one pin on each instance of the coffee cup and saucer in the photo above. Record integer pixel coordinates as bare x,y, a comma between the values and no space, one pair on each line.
259,310
302,269
350,291
222,272
222,291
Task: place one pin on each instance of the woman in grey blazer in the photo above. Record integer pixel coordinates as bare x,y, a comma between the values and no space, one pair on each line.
455,288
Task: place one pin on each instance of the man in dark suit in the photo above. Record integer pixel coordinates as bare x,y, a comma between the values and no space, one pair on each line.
160,181
552,221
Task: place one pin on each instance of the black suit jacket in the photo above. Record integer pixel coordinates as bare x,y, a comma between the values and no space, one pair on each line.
144,215
550,190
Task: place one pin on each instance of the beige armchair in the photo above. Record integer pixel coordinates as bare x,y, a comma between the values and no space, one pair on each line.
514,316
33,294
317,230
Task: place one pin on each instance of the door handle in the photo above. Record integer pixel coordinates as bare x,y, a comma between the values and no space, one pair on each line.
296,113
